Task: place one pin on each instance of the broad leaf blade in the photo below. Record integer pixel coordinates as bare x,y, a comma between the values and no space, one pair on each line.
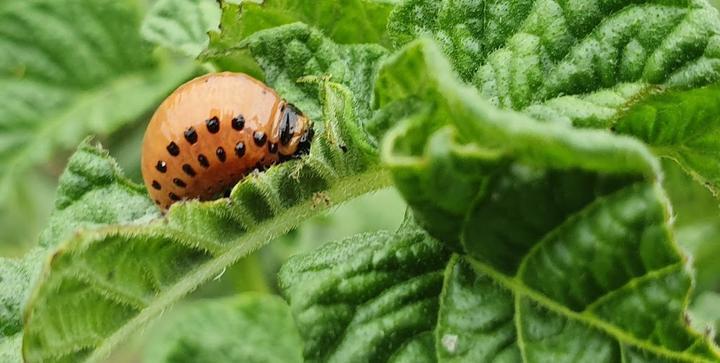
93,193
346,22
683,126
108,282
566,239
82,69
181,25
528,52
295,56
371,297
250,328
580,63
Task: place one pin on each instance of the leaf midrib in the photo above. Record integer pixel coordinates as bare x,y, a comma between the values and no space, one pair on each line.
342,190
520,290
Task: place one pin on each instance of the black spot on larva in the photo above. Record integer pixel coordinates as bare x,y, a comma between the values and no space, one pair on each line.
220,152
191,135
179,182
173,196
173,149
203,160
213,125
259,138
156,185
188,169
343,148
161,166
273,148
240,149
238,122
157,202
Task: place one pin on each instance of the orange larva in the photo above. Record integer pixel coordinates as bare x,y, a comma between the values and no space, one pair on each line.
212,131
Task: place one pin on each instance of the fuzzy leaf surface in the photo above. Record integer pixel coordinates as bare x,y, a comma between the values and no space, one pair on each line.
585,62
371,297
683,126
565,250
578,61
294,57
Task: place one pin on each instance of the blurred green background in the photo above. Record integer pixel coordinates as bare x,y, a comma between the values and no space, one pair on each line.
72,68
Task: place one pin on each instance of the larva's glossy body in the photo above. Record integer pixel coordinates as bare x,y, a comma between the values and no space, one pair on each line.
212,131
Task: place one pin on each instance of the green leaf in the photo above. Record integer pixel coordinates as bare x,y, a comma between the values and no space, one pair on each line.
250,328
93,193
181,25
103,284
115,200
370,298
683,126
294,55
348,21
81,69
17,275
566,251
423,152
575,62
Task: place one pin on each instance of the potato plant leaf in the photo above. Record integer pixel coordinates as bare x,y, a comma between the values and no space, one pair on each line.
181,25
103,284
370,298
69,68
77,208
346,22
306,54
527,53
581,62
250,328
683,126
565,247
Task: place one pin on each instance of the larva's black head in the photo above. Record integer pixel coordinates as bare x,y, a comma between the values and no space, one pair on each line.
289,123
294,131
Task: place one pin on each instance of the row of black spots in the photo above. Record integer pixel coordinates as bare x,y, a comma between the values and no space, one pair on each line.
213,126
